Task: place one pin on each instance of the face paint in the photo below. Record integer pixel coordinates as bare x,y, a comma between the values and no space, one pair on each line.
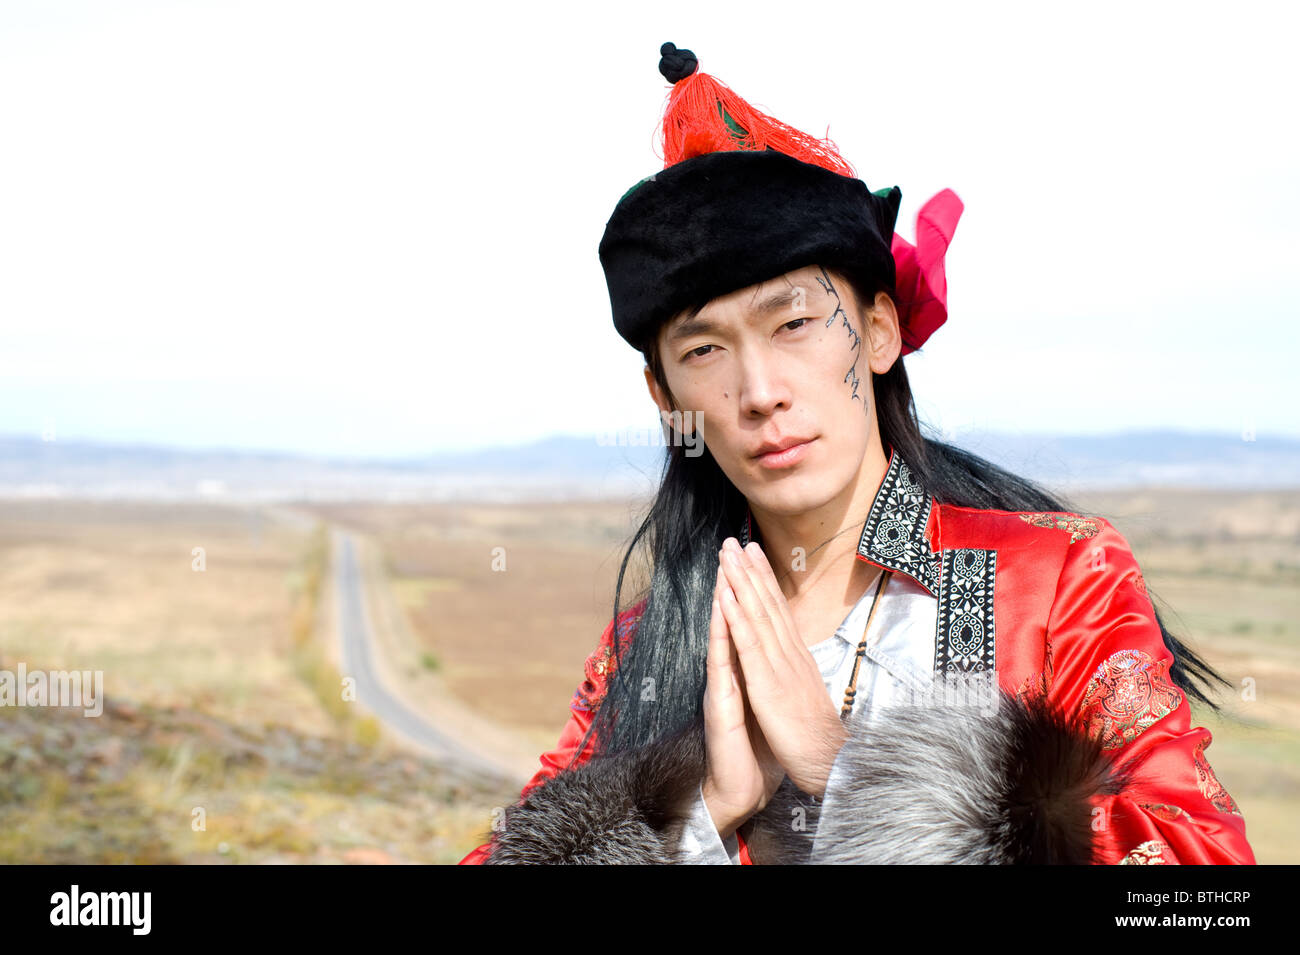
855,340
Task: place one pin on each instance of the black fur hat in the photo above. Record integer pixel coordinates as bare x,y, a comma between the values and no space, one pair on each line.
726,220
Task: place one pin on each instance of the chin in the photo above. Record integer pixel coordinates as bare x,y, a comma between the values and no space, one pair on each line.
793,495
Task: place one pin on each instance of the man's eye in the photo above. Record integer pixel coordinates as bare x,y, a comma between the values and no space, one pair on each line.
694,352
801,322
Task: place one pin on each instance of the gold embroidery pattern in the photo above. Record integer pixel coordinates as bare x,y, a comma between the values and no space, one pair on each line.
1166,811
1209,784
1079,527
605,659
604,663
1040,683
1128,693
1149,853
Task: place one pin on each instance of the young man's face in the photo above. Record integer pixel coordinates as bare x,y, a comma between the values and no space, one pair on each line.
787,362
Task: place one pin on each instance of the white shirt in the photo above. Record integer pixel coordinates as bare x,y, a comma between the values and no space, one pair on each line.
899,660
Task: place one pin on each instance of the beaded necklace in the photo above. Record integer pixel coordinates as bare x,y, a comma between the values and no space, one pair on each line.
852,689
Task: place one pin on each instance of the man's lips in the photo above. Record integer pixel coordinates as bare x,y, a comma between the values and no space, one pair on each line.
783,453
768,447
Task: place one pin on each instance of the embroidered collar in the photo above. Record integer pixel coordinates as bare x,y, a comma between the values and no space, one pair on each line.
893,536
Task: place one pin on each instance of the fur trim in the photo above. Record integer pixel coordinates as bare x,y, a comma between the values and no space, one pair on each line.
930,782
626,809
1007,783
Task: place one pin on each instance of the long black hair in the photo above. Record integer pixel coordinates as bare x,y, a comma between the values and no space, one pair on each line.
657,686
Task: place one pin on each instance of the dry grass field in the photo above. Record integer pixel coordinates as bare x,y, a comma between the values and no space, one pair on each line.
509,643
223,736
223,740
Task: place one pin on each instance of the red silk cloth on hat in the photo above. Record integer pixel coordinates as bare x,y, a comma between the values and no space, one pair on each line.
922,284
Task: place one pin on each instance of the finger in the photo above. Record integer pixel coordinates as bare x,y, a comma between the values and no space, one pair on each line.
733,656
762,751
728,750
755,665
718,658
728,646
796,651
722,686
769,765
736,669
767,591
767,579
753,597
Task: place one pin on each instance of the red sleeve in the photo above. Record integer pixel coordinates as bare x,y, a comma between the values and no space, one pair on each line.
1109,666
582,709
744,850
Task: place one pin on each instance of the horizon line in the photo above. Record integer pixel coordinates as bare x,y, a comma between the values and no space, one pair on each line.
417,456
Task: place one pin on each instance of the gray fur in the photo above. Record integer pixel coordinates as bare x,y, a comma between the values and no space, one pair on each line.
628,809
1009,782
929,782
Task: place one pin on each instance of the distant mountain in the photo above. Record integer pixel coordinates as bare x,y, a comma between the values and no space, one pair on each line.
1143,459
600,466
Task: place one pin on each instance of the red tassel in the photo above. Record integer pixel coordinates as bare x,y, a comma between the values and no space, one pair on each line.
696,122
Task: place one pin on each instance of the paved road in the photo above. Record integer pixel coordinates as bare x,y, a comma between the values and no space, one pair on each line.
358,648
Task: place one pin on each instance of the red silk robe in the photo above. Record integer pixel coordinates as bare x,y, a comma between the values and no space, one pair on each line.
1055,604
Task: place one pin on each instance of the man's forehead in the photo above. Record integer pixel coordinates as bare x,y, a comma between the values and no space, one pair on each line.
792,291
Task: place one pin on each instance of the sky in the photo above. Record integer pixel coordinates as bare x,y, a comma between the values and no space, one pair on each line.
370,229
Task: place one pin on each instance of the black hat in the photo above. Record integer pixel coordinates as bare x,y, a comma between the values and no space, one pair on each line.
744,198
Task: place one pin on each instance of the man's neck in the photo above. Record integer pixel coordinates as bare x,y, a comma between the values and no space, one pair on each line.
823,568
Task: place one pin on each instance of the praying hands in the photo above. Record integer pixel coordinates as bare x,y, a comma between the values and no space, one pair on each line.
766,712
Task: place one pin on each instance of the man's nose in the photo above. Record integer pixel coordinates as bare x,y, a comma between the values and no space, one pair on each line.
763,387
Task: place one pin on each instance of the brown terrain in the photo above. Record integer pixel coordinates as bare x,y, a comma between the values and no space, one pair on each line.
224,738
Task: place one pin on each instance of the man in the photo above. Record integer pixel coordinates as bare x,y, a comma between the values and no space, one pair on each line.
776,701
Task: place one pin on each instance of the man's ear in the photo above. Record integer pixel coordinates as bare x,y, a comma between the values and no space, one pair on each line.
656,393
884,339
665,406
